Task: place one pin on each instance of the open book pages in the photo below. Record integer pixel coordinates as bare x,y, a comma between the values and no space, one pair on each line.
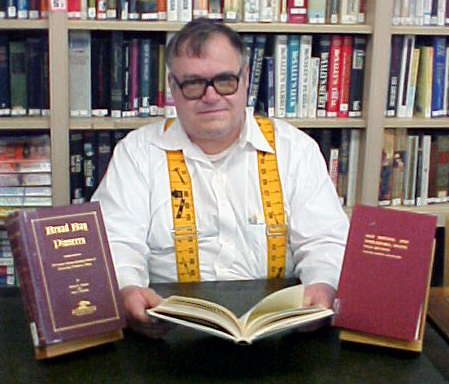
279,311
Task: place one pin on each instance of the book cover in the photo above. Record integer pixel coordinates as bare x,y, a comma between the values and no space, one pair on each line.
111,9
316,11
398,170
349,11
35,62
385,273
323,53
280,74
134,77
332,16
357,77
18,77
185,10
251,11
90,163
345,76
411,85
265,101
215,11
425,143
333,81
5,94
438,80
407,52
148,9
353,162
201,9
80,74
66,275
297,11
423,102
314,78
100,70
397,42
411,169
144,77
305,55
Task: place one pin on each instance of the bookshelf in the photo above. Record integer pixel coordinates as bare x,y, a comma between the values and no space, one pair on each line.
377,27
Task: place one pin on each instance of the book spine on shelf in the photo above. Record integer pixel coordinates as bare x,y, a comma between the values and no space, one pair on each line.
257,60
357,77
314,75
394,75
292,75
116,66
323,54
305,54
334,76
100,57
5,94
280,76
345,76
316,11
144,77
423,102
438,83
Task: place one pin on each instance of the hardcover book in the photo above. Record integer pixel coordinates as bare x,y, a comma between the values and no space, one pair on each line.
334,76
5,95
385,276
281,311
345,76
357,77
18,77
323,53
66,276
394,75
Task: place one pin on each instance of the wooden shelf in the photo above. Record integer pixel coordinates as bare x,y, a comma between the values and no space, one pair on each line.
37,122
416,122
23,24
416,30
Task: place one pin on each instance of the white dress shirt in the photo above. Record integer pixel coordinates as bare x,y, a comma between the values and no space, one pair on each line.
136,204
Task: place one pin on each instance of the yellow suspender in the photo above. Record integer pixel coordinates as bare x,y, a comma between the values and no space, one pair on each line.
185,233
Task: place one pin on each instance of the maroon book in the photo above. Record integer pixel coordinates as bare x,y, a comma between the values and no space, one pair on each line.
66,276
385,274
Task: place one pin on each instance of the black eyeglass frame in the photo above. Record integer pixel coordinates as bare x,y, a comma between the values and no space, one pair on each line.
209,82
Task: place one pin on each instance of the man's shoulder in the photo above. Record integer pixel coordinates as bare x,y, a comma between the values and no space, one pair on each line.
145,135
289,134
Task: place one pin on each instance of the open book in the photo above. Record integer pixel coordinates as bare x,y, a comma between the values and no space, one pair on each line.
279,311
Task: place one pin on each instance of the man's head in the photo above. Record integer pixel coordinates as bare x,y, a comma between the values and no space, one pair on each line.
208,76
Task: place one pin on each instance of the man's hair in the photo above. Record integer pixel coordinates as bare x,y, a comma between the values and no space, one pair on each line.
193,37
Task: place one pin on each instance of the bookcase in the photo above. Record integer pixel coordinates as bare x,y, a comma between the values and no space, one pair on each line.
378,28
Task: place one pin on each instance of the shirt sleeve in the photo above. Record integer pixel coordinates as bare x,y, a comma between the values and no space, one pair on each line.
123,196
317,223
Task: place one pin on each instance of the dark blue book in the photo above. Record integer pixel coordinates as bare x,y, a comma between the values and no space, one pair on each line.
2,9
104,152
5,95
154,76
256,69
100,69
145,77
397,42
265,101
45,82
35,67
439,68
357,77
323,53
116,82
90,168
76,168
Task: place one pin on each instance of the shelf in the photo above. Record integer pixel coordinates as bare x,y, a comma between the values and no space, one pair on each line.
23,24
416,122
25,123
328,123
167,26
416,30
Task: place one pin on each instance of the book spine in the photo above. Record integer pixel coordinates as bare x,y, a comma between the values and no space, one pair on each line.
407,52
305,54
412,81
357,77
126,81
104,152
74,9
100,72
90,167
333,166
442,167
425,78
162,10
134,77
111,9
345,76
316,11
144,77
133,10
216,10
231,10
439,63
184,10
411,165
292,75
76,168
258,55
334,76
419,13
34,75
394,76
280,75
153,76
161,80
18,78
314,77
349,11
427,11
116,74
148,10
91,9
5,94
297,11
172,10
22,9
343,165
332,12
386,168
354,148
266,92
266,10
169,103
324,53
422,196
398,171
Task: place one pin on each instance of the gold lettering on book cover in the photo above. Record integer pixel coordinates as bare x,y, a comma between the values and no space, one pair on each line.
384,246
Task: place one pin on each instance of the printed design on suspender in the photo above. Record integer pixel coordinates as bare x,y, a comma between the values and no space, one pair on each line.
185,232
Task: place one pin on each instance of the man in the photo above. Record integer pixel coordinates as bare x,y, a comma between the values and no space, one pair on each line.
220,142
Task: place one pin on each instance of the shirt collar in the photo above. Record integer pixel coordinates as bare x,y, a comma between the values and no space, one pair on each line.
176,138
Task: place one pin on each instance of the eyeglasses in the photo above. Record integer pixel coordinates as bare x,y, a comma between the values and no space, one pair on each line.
224,85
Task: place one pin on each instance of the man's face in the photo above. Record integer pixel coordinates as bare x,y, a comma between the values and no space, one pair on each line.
213,122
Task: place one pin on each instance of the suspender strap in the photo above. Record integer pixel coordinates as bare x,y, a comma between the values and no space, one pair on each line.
185,232
273,203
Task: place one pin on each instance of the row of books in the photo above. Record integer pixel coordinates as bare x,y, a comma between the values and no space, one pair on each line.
294,76
418,82
415,167
7,270
421,12
90,152
252,11
24,75
24,9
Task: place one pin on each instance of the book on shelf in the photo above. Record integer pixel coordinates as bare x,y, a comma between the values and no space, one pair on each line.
148,9
423,100
343,165
314,78
18,77
398,169
76,168
316,11
169,102
172,10
80,74
90,163
332,14
215,11
353,162
385,276
333,82
442,167
134,77
385,181
230,8
34,70
161,79
100,71
232,11
133,10
104,152
278,312
297,11
265,100
292,75
357,77
323,53
280,74
423,169
333,165
412,83
91,9
5,93
162,10
11,9
305,55
67,279
411,168
397,42
145,74
407,53
251,11
345,76
256,70
438,79
185,10
349,11
116,74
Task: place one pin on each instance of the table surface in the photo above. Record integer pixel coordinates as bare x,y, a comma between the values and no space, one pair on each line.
188,356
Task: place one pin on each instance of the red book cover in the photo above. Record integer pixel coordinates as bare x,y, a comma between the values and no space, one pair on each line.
333,80
345,77
385,274
74,9
44,8
67,280
134,76
297,11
